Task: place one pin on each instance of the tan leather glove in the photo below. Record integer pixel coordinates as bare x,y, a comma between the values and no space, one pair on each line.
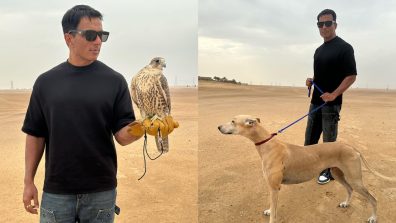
168,125
136,128
151,126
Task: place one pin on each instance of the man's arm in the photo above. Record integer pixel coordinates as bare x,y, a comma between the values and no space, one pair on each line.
33,152
124,138
345,84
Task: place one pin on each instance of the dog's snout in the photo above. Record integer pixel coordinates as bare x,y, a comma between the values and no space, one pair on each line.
221,129
224,129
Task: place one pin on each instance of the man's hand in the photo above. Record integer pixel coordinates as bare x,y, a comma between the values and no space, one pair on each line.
151,127
171,124
30,194
308,82
166,126
33,152
327,97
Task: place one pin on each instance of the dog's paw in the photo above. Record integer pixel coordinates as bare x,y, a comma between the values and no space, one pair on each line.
343,204
372,219
267,212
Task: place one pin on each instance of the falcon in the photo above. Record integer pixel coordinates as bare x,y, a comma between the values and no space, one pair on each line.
150,92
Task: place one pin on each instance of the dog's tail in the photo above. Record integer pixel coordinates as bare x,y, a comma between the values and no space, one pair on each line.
373,171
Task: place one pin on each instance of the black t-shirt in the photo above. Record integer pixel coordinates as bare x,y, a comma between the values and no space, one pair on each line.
333,61
77,110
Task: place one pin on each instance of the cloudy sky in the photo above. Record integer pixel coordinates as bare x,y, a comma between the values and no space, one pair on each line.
254,41
32,39
273,42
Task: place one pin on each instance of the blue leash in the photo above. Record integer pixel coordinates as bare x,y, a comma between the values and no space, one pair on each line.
316,87
309,93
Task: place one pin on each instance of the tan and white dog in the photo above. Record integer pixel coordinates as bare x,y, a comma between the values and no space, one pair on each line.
284,163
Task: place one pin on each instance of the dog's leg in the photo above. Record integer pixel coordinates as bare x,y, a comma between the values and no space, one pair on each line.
339,176
361,189
274,182
274,204
353,173
268,211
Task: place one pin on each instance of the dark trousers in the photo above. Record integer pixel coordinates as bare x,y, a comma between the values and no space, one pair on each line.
325,121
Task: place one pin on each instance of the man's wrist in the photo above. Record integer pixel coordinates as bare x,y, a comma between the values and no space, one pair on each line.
28,181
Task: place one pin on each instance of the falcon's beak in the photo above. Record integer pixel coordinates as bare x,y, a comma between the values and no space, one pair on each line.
164,65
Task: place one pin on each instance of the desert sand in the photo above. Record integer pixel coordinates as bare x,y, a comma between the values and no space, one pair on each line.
231,187
221,181
167,193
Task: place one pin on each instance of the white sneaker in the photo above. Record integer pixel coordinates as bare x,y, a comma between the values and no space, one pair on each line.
324,177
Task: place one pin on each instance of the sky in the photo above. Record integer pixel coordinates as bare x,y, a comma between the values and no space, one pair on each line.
273,42
31,40
254,41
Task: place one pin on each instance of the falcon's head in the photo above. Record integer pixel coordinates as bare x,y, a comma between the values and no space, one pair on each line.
158,62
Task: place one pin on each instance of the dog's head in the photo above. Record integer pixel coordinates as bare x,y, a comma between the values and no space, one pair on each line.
239,125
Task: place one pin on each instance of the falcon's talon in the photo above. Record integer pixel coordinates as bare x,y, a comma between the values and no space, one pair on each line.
155,117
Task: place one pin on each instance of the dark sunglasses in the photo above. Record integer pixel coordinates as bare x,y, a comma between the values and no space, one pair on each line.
90,35
325,23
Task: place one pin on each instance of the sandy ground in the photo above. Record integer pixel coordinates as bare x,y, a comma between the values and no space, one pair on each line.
231,187
228,174
168,192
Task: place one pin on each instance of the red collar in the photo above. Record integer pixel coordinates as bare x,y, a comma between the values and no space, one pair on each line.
266,140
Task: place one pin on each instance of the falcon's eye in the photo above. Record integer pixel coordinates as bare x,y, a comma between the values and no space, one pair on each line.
157,61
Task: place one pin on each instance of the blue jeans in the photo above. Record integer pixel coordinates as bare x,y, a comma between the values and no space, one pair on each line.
325,121
84,208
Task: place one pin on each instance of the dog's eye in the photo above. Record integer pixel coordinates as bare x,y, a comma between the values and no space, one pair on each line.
233,122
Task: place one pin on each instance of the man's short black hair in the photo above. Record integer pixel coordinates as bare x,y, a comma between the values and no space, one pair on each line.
73,16
328,12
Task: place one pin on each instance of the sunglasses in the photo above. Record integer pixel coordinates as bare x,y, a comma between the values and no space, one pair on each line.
325,23
90,35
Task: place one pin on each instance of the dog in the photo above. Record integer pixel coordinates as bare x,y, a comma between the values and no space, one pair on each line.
284,163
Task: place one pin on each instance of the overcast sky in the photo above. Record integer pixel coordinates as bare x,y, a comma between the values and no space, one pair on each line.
273,42
254,41
31,40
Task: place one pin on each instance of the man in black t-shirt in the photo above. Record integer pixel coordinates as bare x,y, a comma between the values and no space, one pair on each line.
74,111
334,73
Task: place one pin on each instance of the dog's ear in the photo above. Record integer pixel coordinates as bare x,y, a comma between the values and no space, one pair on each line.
250,122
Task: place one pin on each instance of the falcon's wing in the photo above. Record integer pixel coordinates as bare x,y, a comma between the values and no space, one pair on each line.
164,91
136,85
133,90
